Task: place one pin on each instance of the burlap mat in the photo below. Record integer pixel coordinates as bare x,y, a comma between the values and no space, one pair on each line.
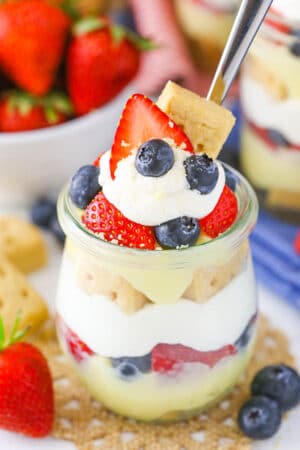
90,426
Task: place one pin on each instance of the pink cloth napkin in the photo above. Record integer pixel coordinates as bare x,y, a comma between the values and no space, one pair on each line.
156,19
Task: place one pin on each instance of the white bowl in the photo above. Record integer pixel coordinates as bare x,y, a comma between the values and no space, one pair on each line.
37,163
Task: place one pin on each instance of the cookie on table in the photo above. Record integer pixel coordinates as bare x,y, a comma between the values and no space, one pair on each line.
22,243
17,296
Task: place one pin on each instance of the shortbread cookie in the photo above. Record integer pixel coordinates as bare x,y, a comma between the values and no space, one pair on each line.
205,123
18,296
22,243
94,279
260,72
283,199
207,282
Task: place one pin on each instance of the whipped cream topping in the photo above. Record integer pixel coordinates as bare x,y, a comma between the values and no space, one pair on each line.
108,331
289,9
266,112
152,201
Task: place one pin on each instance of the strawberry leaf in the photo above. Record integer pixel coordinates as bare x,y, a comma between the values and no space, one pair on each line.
88,25
2,334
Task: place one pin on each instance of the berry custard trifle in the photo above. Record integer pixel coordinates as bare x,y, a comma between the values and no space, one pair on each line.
156,303
270,95
207,24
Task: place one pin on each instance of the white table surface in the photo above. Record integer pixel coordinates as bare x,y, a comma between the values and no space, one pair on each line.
280,314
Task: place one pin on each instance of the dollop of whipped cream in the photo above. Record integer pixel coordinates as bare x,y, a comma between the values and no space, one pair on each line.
151,201
290,9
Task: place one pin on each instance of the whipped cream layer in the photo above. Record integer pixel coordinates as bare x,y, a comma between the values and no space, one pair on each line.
152,201
108,331
266,112
289,9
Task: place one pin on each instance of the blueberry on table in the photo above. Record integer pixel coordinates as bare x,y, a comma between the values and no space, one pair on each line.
176,233
57,230
129,367
259,417
279,382
42,212
154,158
295,48
84,185
201,172
278,138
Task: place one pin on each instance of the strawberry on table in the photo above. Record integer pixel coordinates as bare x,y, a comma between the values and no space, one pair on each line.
103,218
24,112
223,215
143,120
102,59
26,391
32,40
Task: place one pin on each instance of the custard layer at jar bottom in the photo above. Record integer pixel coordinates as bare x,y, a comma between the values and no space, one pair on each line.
267,168
153,396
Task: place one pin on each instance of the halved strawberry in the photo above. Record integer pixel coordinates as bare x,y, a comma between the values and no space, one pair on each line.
102,217
78,349
143,120
96,163
223,215
165,357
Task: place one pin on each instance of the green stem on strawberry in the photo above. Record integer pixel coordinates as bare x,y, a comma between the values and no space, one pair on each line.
118,32
15,335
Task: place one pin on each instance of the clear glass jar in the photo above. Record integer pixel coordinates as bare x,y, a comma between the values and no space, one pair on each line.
207,24
158,335
270,97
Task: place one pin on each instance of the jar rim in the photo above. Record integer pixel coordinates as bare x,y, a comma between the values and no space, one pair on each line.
232,238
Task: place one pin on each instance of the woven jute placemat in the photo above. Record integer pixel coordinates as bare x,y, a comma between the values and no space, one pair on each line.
90,426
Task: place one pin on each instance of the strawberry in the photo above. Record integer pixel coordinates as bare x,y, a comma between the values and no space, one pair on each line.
102,59
102,217
23,112
26,391
78,349
32,40
167,357
297,243
142,120
223,215
96,163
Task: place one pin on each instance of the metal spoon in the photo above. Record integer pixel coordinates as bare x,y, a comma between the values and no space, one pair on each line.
246,25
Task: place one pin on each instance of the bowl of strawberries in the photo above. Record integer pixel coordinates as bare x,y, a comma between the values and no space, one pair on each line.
63,82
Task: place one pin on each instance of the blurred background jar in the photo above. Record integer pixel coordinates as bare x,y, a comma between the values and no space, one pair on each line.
206,24
270,96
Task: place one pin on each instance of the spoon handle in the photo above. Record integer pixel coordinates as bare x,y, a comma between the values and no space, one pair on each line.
247,23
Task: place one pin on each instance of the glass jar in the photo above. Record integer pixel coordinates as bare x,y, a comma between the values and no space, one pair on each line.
158,335
270,97
207,24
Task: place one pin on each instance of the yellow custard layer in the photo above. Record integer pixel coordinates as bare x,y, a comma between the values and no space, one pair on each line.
267,168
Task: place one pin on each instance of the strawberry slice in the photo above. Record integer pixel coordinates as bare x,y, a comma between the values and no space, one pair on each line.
96,163
143,120
102,217
78,349
223,216
165,357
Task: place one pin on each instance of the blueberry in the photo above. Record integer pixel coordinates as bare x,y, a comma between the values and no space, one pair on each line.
247,334
295,48
279,382
278,138
154,158
175,233
201,172
42,212
84,185
259,417
230,179
57,230
130,367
